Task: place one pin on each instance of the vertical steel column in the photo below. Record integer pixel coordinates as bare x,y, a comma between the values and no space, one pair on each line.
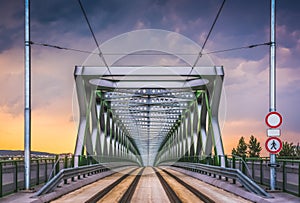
127,147
110,151
148,129
80,88
185,139
180,138
272,85
178,141
174,143
115,133
171,146
195,126
27,110
189,132
118,141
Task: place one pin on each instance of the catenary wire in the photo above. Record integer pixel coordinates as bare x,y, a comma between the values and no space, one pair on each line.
62,48
206,39
152,53
94,37
208,35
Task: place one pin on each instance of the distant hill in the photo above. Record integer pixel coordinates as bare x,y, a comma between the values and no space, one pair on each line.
21,153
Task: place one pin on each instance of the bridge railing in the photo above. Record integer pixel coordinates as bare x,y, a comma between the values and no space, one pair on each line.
41,170
219,172
68,173
12,174
287,172
78,172
94,159
288,169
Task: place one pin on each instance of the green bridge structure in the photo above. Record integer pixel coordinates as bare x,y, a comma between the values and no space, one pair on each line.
148,115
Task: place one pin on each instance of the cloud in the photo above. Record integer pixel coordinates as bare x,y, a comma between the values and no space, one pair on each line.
247,95
140,25
288,47
11,81
62,23
11,25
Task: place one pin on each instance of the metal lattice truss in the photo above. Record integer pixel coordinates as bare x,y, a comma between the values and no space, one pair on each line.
148,114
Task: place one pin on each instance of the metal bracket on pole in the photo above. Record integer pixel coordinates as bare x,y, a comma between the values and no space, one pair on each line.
27,86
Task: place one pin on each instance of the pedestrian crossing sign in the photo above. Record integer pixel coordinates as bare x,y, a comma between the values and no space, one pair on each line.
273,145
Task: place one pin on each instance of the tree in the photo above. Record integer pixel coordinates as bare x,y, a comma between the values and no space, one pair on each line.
233,151
254,147
241,149
298,150
288,149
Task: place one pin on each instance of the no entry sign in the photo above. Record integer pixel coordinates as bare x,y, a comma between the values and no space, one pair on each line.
273,145
273,119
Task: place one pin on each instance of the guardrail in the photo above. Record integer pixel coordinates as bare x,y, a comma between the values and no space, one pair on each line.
256,168
42,170
71,173
228,173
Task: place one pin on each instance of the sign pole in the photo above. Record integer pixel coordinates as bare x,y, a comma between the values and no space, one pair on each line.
272,86
27,106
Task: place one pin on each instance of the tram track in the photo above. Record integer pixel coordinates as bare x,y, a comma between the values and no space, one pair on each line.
149,184
196,192
131,189
171,191
126,197
173,197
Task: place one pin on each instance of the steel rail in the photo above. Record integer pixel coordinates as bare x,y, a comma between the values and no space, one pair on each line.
196,192
131,189
169,191
230,173
68,173
106,190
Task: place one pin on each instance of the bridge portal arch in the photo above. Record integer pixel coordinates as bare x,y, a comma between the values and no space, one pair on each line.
148,114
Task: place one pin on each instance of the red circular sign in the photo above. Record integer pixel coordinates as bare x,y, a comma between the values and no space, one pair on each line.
273,119
273,145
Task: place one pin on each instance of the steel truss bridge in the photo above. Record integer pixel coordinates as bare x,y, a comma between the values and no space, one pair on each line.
148,115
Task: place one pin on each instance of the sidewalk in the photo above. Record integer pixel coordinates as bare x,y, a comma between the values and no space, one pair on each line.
278,197
19,197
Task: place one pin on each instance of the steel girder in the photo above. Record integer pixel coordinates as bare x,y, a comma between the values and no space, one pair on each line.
148,114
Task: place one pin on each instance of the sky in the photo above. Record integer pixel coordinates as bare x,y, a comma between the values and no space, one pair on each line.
245,97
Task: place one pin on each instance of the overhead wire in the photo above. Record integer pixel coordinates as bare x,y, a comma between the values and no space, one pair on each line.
206,39
101,54
237,48
62,48
94,37
209,33
152,53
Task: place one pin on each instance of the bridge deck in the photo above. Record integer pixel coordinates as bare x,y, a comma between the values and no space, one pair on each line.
150,189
